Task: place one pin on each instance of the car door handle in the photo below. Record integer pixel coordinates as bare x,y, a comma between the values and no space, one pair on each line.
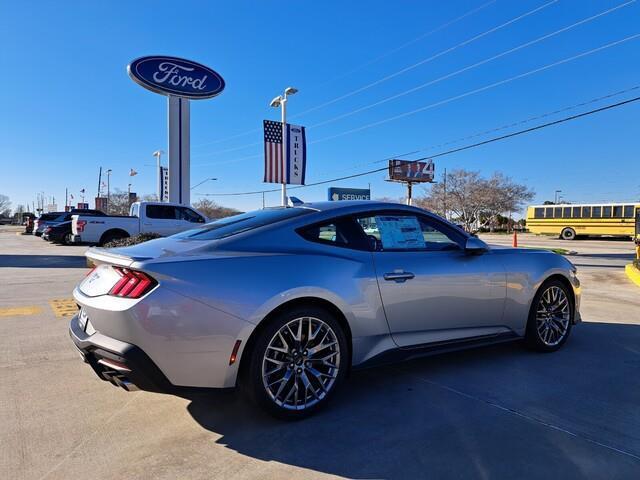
399,276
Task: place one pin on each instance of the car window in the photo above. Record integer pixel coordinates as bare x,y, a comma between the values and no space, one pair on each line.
164,212
407,232
189,215
235,224
334,232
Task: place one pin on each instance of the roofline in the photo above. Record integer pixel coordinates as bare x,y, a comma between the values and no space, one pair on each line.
595,204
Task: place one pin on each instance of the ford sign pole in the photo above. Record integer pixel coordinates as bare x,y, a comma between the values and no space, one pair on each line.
180,80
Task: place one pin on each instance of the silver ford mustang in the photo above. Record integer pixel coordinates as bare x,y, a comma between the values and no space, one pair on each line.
283,302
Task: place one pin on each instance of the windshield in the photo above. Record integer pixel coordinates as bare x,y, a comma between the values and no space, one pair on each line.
228,226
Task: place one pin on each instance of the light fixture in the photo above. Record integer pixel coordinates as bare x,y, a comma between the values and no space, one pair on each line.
275,103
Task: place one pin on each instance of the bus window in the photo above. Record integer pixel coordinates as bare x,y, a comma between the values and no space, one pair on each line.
628,211
576,212
596,212
538,213
586,212
566,212
606,212
557,212
617,211
548,213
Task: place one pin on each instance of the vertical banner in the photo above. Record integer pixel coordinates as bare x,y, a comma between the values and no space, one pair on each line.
295,153
164,184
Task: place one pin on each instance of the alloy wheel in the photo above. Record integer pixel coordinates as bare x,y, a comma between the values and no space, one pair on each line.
553,315
301,363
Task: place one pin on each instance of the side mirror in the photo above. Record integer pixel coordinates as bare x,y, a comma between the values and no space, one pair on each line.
475,246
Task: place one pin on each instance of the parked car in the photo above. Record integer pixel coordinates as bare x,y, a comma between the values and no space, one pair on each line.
284,302
43,221
144,217
59,231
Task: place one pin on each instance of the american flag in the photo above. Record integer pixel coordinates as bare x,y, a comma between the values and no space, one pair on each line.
273,152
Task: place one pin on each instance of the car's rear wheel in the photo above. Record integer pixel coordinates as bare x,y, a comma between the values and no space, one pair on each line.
297,362
568,234
550,318
66,239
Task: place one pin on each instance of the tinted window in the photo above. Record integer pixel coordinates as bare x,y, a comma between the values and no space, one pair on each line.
189,215
566,212
586,212
228,226
617,211
596,212
576,212
538,213
165,212
628,211
557,212
548,212
407,232
606,212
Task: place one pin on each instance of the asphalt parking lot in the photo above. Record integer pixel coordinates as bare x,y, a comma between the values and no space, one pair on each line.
498,412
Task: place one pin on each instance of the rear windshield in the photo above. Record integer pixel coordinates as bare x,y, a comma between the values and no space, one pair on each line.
225,227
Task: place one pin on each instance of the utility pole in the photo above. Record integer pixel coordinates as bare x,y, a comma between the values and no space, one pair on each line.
99,182
281,101
66,198
108,190
555,199
444,184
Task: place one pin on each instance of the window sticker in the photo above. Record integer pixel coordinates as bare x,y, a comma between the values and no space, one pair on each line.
400,232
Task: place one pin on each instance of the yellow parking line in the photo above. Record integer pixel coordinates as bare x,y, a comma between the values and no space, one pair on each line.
64,307
11,311
633,273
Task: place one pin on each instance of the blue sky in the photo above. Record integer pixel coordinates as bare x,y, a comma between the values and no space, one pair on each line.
68,106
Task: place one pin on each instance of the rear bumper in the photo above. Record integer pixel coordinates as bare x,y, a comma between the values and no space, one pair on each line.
76,239
122,364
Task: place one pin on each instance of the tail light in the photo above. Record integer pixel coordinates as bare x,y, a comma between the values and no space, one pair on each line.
132,284
80,225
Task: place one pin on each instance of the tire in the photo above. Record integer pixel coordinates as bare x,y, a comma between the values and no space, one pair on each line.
283,376
550,318
66,239
568,234
111,236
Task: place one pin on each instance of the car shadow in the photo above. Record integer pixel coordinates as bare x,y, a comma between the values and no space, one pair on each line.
43,261
483,413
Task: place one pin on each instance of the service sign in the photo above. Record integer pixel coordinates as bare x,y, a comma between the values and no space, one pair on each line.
337,193
175,76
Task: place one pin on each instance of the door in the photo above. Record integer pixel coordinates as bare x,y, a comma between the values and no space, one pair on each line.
431,289
188,218
161,219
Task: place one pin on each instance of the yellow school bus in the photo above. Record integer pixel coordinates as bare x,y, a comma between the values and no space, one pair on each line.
594,219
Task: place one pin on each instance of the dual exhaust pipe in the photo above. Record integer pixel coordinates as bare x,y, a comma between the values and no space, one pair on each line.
115,373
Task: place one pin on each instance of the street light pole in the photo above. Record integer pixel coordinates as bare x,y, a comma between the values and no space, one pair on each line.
555,199
205,180
158,154
281,101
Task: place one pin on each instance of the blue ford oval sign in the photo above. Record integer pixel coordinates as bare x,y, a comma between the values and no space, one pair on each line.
175,76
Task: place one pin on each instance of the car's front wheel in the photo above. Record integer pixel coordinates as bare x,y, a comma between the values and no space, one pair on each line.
551,317
297,362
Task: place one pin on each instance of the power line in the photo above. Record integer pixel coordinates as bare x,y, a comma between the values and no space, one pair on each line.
472,66
455,97
513,124
405,69
448,152
481,89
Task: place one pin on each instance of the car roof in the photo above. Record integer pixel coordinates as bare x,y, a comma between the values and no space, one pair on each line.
354,206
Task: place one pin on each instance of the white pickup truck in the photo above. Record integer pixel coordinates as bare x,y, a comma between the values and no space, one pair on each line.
144,217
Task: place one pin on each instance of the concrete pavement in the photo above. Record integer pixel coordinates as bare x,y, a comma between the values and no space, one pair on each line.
498,412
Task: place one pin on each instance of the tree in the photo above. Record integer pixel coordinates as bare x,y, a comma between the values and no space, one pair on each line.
474,200
119,203
212,210
5,206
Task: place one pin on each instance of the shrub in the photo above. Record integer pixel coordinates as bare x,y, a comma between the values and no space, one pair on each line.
130,241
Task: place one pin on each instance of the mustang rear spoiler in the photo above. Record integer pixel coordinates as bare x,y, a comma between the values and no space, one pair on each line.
98,256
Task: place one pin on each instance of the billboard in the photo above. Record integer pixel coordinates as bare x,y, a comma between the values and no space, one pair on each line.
411,171
336,193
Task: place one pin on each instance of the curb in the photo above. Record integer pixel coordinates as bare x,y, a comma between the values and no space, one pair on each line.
633,273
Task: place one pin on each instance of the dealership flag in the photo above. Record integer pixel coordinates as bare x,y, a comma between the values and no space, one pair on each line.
296,153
